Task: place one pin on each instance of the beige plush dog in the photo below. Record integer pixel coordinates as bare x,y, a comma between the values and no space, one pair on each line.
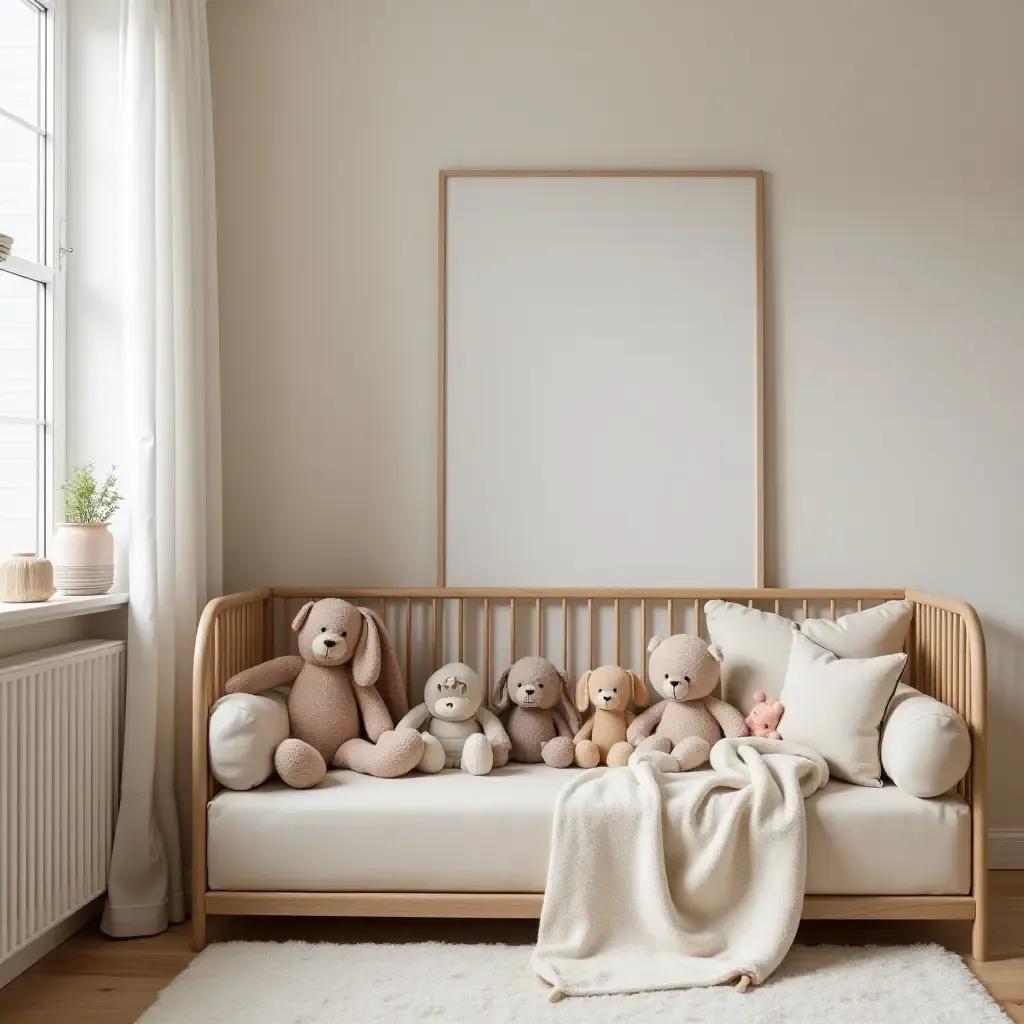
542,721
343,652
602,740
689,721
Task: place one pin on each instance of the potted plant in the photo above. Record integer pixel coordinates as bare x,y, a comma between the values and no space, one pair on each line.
83,548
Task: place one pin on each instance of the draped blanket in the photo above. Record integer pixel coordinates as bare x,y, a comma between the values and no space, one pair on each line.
675,880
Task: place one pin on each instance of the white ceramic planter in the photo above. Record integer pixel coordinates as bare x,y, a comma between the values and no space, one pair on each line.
24,578
83,558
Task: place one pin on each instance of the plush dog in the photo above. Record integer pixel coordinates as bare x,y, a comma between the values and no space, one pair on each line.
471,736
542,722
765,716
343,652
689,721
602,740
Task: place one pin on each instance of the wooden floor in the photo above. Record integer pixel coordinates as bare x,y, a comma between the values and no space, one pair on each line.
94,980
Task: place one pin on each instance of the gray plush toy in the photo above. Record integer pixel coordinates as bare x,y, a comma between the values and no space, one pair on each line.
542,721
471,736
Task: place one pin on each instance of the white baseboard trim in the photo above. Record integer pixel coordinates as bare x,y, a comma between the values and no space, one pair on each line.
49,940
1006,849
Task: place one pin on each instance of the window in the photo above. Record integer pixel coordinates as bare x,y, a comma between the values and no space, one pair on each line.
31,213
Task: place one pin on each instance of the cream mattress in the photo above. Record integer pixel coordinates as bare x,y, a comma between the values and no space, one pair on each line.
455,832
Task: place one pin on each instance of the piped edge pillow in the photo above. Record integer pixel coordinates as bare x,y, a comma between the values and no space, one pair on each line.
836,705
245,730
757,644
926,746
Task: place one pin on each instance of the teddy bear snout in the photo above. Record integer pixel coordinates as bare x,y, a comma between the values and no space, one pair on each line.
329,646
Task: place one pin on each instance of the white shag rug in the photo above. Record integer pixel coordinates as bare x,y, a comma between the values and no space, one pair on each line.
302,983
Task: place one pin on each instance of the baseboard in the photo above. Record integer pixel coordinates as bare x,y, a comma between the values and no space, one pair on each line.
1006,849
49,940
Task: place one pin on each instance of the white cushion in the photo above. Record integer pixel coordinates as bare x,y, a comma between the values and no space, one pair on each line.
926,746
836,705
245,730
453,832
756,644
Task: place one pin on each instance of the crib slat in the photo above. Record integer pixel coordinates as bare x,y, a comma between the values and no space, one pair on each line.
540,630
408,642
643,640
617,638
565,636
512,631
462,646
487,640
590,633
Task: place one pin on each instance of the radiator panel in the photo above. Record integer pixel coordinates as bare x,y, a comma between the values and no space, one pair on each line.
61,716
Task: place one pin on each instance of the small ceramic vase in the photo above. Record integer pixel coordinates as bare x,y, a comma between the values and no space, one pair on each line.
26,578
83,559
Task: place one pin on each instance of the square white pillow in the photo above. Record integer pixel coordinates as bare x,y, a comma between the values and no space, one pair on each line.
756,644
836,705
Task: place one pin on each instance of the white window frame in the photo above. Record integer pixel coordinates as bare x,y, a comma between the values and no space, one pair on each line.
50,272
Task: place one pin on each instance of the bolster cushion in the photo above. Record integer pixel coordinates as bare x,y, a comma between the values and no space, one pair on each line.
926,746
245,730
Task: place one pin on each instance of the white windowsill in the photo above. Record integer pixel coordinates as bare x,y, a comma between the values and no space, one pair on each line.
57,607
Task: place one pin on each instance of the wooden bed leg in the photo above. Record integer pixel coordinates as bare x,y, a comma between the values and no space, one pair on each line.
979,937
198,927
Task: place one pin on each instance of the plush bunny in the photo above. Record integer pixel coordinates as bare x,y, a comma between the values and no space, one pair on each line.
343,652
542,721
471,736
689,721
603,737
765,716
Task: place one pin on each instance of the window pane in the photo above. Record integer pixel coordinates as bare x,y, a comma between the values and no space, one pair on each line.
19,345
19,60
19,187
19,447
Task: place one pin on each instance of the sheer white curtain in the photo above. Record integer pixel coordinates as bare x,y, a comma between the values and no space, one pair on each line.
172,440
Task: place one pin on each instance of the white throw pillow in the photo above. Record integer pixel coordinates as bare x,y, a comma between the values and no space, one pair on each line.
245,730
836,705
756,644
926,746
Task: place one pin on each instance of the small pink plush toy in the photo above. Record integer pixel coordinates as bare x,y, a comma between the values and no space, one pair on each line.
764,719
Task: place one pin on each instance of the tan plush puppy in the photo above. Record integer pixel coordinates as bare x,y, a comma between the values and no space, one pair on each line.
689,721
343,652
542,720
602,740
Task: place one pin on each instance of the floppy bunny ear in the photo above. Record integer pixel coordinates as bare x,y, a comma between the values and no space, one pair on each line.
652,644
366,660
566,705
583,692
500,698
639,690
300,620
716,652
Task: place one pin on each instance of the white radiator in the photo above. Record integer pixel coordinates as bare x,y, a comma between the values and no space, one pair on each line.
60,755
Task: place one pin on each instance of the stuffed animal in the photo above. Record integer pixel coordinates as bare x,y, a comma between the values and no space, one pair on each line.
765,716
603,737
689,721
471,736
343,652
542,722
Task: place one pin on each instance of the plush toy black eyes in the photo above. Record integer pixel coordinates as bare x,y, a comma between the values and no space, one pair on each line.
686,678
540,686
615,689
666,675
344,634
323,629
519,686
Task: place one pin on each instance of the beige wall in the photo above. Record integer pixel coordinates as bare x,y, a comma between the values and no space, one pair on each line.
891,135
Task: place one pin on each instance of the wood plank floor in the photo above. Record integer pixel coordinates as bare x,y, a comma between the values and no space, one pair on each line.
94,980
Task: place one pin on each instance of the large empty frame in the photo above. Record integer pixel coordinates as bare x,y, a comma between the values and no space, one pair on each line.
600,378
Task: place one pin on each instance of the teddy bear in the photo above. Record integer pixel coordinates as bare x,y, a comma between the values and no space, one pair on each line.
452,712
345,672
543,721
689,721
764,717
602,740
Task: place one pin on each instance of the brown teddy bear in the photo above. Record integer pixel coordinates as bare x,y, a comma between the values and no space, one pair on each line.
602,740
689,721
542,722
343,652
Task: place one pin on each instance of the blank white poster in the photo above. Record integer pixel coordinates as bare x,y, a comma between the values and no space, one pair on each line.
601,381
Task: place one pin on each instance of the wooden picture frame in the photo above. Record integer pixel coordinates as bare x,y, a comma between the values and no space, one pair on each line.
757,269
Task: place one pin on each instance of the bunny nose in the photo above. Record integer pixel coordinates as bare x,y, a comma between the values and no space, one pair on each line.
330,643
